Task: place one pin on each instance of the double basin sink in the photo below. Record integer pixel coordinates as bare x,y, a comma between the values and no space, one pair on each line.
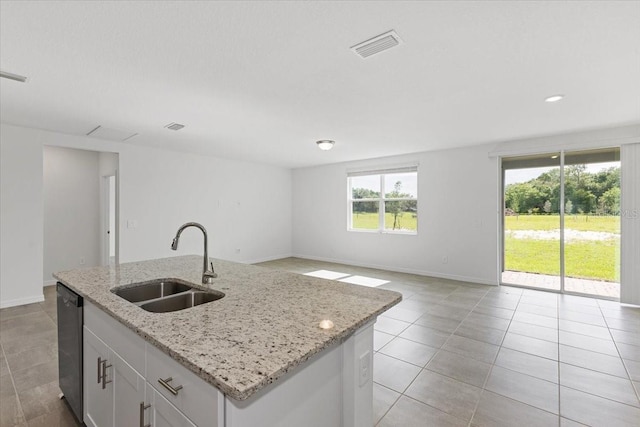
166,295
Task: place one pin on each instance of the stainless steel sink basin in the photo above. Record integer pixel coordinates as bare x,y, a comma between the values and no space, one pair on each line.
152,290
165,295
181,301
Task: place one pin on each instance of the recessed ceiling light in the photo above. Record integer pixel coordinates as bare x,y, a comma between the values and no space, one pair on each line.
11,76
555,156
325,144
554,98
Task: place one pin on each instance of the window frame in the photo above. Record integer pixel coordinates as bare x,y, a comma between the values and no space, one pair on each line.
381,200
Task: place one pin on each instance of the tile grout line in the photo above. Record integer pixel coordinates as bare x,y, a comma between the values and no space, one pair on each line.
422,368
510,321
13,383
559,380
390,406
633,387
441,348
486,380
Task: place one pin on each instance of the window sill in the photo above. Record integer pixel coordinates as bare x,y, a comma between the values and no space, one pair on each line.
402,233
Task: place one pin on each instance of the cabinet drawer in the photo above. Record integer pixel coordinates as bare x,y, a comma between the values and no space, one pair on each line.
199,401
165,414
121,339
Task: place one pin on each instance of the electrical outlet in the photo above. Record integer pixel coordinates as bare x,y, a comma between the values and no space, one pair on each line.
445,259
237,250
365,368
81,261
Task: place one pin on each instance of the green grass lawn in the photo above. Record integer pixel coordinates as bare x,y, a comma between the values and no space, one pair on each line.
610,224
599,260
369,221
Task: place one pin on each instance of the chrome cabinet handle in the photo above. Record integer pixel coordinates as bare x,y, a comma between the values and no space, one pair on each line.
104,374
143,408
165,384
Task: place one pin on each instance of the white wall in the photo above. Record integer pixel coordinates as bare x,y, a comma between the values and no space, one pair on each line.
20,220
630,224
457,203
108,167
244,206
71,209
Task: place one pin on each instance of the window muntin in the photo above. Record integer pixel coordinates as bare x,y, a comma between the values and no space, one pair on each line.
384,201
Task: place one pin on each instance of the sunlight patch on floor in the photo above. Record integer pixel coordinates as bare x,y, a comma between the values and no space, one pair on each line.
364,281
327,274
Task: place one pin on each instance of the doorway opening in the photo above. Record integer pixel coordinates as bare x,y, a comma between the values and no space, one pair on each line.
561,222
80,204
109,231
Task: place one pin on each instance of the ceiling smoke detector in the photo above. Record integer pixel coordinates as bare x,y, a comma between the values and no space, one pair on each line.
174,126
377,44
11,76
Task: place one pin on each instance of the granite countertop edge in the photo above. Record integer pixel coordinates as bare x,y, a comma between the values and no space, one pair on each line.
226,387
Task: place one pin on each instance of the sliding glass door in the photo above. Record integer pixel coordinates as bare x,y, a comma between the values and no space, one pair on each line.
561,222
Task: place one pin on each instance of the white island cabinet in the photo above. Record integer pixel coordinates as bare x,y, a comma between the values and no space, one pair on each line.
130,382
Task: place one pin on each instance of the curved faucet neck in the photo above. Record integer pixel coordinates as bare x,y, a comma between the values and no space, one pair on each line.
174,244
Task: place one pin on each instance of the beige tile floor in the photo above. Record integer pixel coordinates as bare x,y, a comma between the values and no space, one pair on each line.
29,366
460,354
450,354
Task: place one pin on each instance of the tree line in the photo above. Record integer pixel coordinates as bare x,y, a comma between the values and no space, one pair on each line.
396,207
585,192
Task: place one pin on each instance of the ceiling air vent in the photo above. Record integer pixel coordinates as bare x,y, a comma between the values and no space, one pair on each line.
11,76
377,44
111,134
174,126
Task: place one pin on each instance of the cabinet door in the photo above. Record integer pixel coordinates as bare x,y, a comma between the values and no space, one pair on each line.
128,392
163,413
98,401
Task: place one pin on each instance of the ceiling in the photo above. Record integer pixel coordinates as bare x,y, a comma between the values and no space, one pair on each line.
262,81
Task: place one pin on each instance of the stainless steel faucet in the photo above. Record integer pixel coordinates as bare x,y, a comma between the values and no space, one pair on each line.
207,275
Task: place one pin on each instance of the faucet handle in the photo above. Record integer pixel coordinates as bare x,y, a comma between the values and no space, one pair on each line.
209,275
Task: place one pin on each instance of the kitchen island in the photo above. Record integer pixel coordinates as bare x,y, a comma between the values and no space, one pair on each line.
257,356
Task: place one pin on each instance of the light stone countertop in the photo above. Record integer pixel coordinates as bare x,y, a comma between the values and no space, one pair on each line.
265,326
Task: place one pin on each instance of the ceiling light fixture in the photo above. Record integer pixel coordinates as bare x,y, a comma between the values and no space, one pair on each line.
325,144
554,98
11,76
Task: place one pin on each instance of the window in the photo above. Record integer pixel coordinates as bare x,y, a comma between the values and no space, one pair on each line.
385,201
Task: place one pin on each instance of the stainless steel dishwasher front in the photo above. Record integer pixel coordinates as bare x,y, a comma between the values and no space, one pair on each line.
70,322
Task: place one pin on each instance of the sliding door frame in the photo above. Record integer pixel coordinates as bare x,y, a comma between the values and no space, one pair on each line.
561,210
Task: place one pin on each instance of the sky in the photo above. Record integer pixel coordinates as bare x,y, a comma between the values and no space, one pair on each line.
523,175
372,182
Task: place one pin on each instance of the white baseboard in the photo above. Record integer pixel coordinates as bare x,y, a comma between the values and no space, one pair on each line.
402,270
269,258
21,301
